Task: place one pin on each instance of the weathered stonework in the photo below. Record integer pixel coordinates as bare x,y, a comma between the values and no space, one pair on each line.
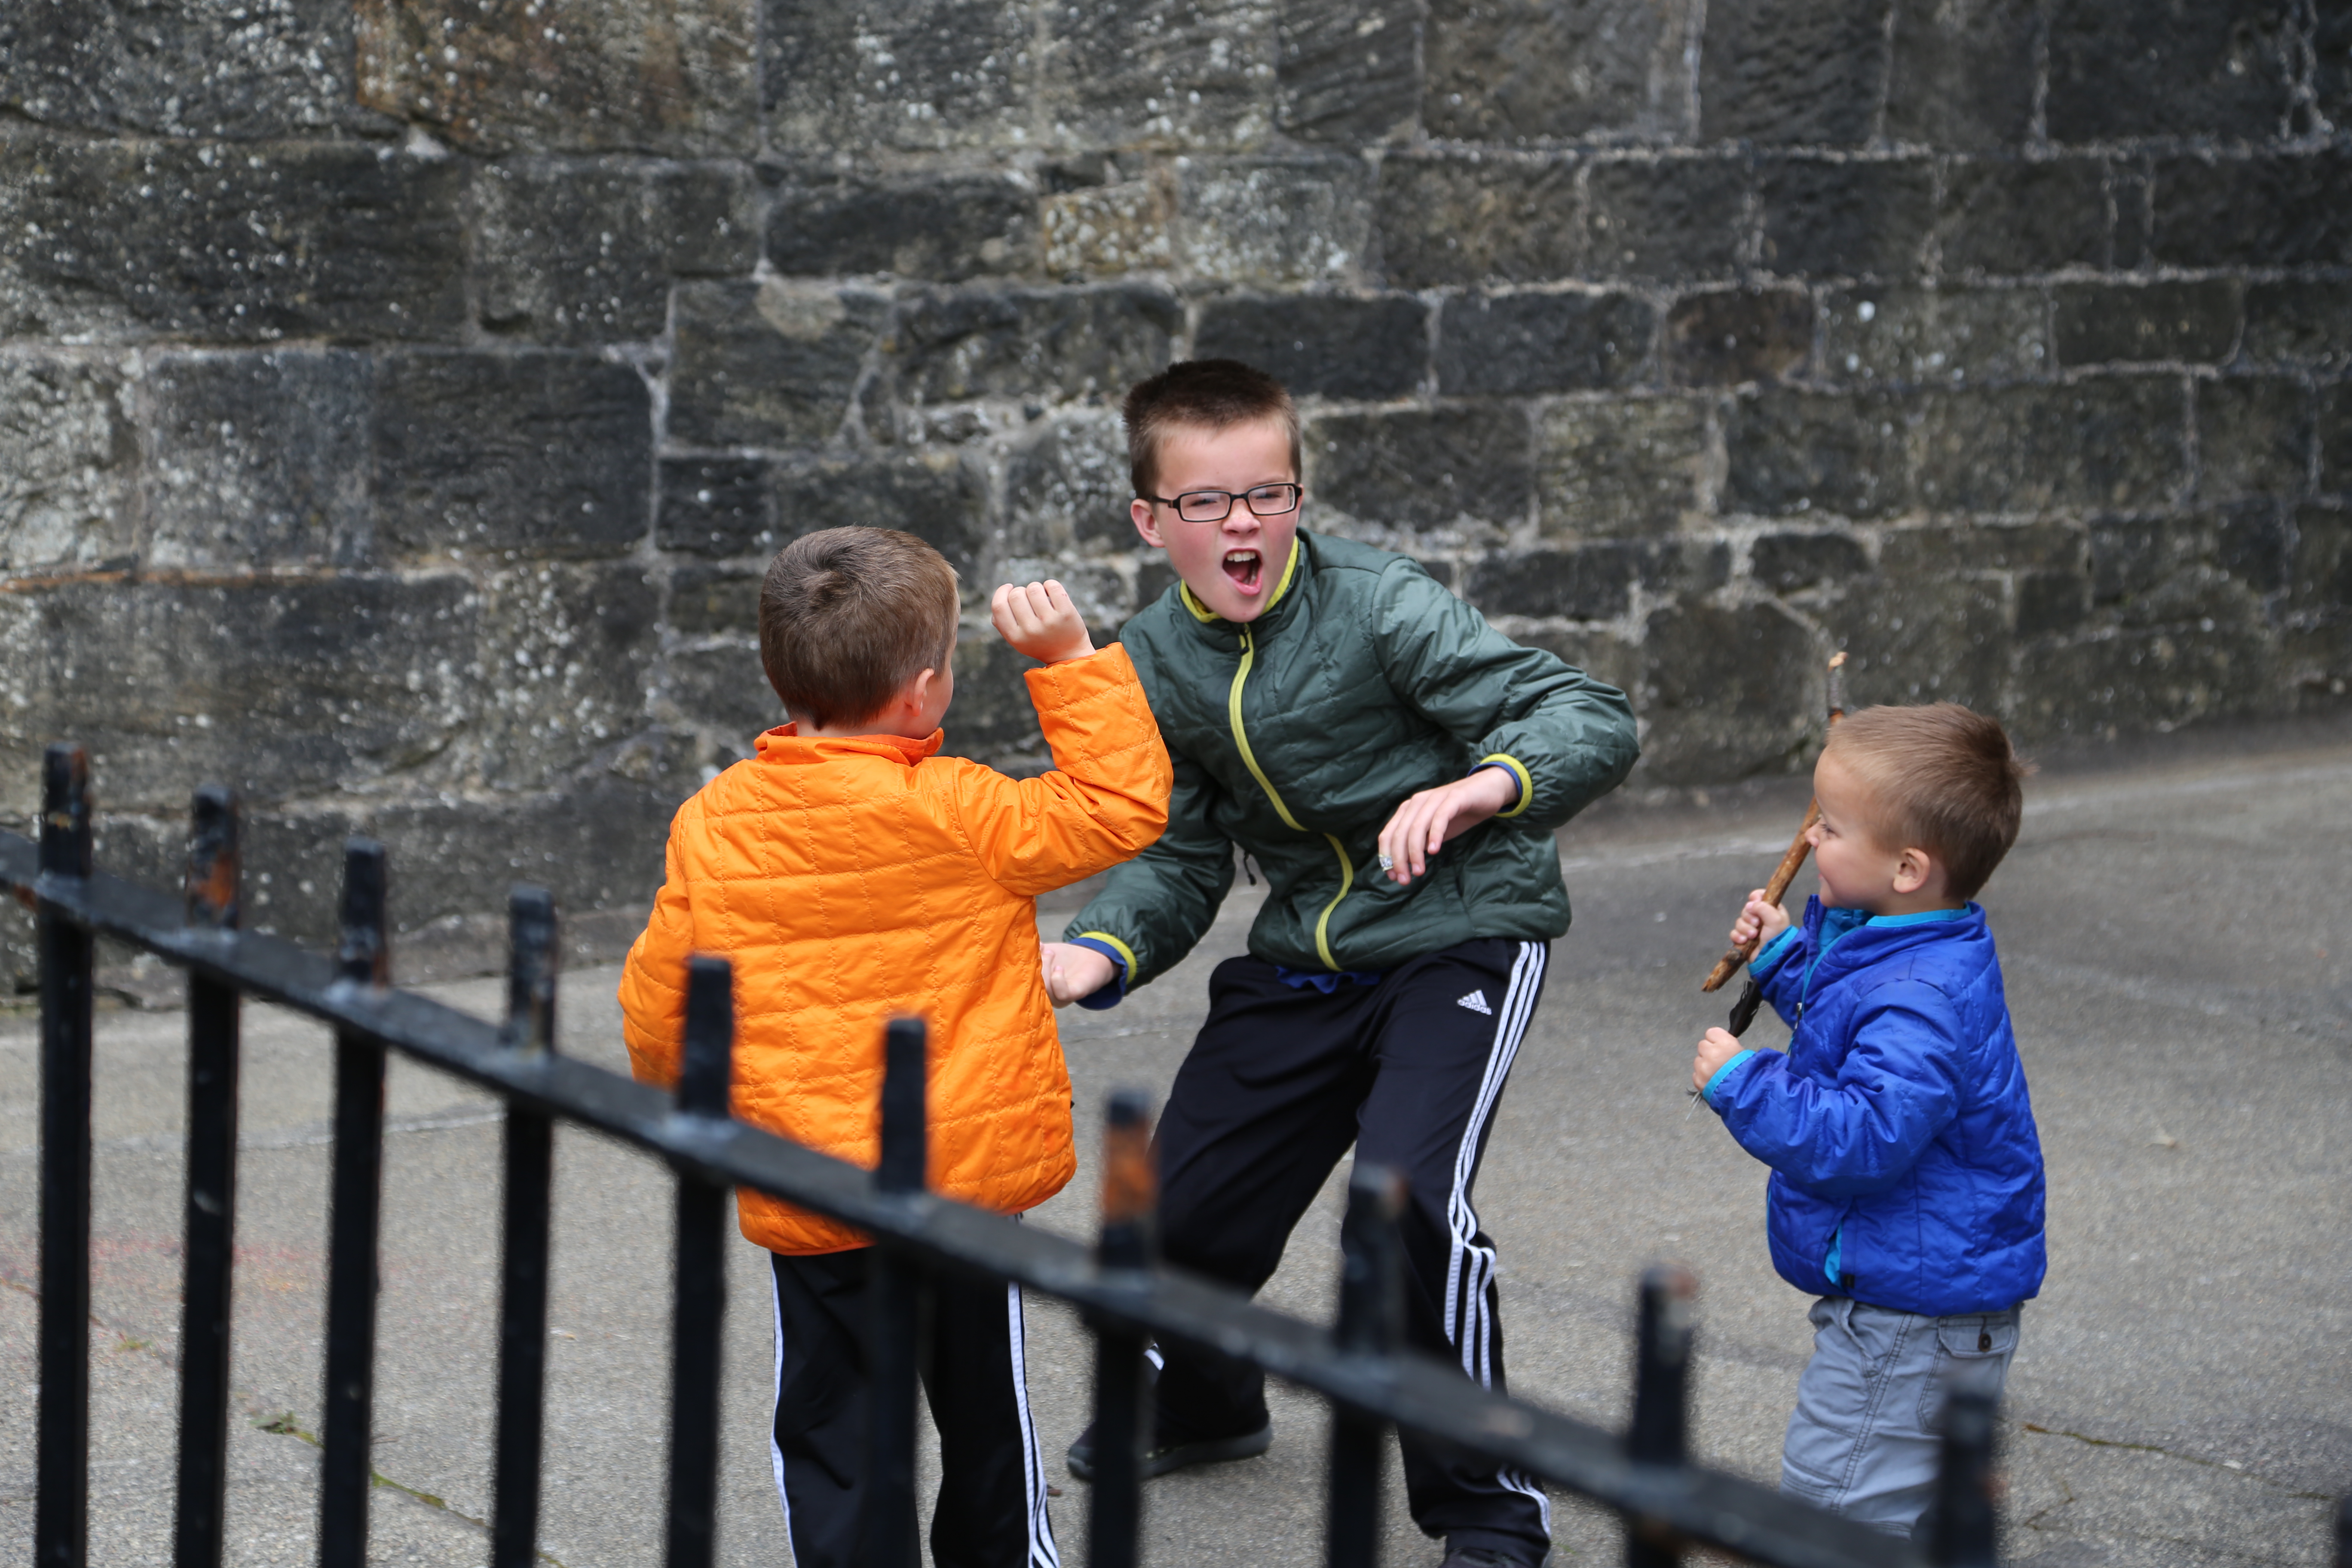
401,400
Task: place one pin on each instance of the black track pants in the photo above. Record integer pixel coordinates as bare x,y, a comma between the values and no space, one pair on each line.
1281,1080
991,1505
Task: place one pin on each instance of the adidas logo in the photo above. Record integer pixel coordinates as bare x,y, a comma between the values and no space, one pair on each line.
1477,1003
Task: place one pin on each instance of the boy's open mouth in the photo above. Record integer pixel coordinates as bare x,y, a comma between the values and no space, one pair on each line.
1243,566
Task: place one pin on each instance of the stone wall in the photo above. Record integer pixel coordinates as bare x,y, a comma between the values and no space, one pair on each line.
399,400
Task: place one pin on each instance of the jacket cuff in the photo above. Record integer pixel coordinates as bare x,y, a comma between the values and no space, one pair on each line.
1768,957
1517,770
1722,1074
1114,990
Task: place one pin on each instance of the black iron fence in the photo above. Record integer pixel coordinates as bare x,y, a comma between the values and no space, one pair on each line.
1669,1503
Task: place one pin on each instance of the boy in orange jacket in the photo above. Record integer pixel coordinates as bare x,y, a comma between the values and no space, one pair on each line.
852,874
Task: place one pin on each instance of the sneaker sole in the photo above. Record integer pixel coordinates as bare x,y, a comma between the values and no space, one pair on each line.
1183,1455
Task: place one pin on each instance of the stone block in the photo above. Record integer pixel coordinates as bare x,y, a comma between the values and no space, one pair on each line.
1795,452
2254,544
1517,343
2050,602
350,679
1792,71
716,506
2004,216
548,454
1455,219
596,844
259,460
1330,345
2331,75
583,253
658,76
2320,568
714,601
1728,336
2121,68
1066,487
566,656
1347,71
1942,550
1791,562
2130,555
237,72
1274,221
946,228
2299,321
1934,640
68,465
2098,323
2114,443
1667,218
770,363
1962,76
723,688
1730,693
1047,344
1102,230
1909,335
1423,469
936,496
1539,70
2136,682
1623,466
1185,75
2335,438
1856,219
1598,651
2287,210
1584,583
2253,437
243,244
921,75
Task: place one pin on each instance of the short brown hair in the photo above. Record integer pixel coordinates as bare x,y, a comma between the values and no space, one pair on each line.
1209,395
1947,781
848,616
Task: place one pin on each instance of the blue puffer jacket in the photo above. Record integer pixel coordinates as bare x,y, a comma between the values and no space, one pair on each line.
1897,1126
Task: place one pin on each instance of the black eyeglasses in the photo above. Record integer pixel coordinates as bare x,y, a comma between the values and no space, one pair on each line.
1215,506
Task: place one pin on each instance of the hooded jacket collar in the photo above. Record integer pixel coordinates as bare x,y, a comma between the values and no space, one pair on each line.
1844,941
785,744
1279,609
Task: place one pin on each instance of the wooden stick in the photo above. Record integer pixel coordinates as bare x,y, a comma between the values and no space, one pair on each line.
1799,848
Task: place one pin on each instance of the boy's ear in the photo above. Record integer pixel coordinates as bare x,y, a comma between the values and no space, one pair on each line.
1146,523
1913,869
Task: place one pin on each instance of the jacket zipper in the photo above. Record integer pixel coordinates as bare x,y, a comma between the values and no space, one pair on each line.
1249,760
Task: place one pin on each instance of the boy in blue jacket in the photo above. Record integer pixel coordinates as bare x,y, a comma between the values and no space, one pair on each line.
1907,1188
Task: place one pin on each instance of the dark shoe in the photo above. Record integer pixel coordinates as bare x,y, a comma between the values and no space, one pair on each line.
1176,1456
1479,1557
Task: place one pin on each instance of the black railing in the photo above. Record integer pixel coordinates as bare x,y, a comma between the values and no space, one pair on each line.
1669,1502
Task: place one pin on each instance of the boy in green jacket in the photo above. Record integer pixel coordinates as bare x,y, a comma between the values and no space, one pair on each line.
1340,716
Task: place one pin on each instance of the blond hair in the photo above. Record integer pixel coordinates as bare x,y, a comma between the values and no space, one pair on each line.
1945,779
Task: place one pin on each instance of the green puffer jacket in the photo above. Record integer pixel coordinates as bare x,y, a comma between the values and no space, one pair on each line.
1298,736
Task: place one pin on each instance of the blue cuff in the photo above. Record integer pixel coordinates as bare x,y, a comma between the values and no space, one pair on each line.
1518,792
1721,1073
1112,992
1773,951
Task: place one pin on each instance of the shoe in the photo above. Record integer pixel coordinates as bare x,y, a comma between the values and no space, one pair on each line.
1479,1557
1176,1455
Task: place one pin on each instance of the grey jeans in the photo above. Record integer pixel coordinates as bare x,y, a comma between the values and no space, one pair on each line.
1866,1433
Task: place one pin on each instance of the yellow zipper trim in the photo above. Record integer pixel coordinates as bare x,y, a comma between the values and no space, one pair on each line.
1249,760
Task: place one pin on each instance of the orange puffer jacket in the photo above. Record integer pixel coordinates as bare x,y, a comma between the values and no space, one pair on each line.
853,880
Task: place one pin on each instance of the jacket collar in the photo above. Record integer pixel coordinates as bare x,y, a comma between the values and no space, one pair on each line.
1279,609
785,744
1847,940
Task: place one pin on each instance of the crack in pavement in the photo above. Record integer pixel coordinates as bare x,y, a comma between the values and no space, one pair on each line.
2231,1466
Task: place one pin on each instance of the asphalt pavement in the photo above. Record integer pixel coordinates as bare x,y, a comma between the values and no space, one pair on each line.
2182,988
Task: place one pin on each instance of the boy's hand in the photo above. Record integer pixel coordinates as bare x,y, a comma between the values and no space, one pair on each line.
1759,922
1040,621
1427,820
1719,1048
1072,972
